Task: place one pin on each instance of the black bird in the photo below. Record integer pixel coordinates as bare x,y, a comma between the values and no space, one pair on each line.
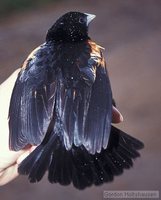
62,102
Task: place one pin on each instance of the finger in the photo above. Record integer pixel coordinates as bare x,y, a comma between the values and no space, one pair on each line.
116,116
8,174
25,154
8,158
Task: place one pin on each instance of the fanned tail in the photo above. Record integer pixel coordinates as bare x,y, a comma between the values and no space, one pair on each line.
77,166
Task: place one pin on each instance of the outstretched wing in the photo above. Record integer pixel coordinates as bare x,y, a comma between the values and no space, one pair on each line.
32,101
84,100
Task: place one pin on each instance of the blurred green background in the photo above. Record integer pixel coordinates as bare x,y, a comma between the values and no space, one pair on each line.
130,31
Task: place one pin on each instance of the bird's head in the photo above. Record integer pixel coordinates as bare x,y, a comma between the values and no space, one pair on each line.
71,27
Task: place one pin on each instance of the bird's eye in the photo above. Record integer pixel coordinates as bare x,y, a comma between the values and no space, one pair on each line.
81,20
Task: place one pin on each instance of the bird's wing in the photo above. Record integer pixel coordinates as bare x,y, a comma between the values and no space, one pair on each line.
99,117
32,101
83,108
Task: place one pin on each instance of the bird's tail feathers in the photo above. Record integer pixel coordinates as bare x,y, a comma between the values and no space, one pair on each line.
77,165
36,164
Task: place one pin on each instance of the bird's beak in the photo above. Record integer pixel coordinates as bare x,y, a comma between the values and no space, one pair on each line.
90,17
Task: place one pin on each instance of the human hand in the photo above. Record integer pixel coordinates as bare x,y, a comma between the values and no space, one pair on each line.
9,160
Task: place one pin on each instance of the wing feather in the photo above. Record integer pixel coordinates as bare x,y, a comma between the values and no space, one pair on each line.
76,97
33,98
84,101
98,121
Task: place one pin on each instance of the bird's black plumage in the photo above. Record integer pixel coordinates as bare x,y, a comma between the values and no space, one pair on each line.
62,102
